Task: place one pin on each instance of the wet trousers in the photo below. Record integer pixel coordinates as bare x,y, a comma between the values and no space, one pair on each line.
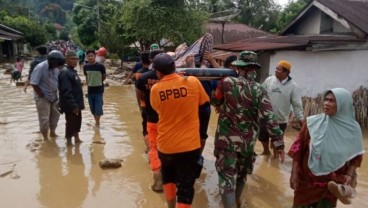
155,162
144,121
73,124
48,114
232,168
179,169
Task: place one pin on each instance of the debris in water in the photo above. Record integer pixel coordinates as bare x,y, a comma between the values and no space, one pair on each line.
33,146
110,163
7,170
99,142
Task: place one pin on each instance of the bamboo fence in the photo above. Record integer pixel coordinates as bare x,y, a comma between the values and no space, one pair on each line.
313,106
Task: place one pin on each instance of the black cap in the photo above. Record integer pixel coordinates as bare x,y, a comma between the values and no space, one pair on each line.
154,52
164,63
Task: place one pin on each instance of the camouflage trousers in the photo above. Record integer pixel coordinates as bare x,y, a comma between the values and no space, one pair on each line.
232,168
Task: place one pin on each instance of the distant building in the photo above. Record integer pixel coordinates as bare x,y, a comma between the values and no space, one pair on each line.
9,46
327,44
230,32
58,27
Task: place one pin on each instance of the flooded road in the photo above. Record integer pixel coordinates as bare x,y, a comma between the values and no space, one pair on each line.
54,175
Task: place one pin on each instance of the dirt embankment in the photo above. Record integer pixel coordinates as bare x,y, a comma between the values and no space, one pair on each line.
117,72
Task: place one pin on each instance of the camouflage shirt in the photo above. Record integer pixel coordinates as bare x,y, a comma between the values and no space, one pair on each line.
242,104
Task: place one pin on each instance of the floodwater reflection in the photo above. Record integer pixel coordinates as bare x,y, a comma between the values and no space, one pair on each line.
62,176
55,175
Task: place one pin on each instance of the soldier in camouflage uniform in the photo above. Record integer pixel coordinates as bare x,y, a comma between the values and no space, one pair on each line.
242,102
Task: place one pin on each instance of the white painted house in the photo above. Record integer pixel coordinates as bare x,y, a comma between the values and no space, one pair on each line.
326,44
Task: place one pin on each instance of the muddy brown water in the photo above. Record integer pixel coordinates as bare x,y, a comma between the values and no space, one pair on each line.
54,175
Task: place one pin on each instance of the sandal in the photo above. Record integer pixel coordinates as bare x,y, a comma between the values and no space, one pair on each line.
343,192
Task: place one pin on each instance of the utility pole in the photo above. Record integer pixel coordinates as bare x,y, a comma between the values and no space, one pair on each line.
98,18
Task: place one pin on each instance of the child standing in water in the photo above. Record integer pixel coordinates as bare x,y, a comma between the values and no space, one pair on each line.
19,65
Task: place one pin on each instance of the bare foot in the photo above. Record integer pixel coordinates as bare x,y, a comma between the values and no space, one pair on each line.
53,134
77,140
266,152
69,142
45,137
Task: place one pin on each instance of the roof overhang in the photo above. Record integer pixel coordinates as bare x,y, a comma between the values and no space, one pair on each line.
339,18
295,43
7,33
301,14
10,35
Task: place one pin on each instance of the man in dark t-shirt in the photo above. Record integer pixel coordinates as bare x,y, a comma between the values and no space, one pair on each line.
143,87
142,106
95,75
42,56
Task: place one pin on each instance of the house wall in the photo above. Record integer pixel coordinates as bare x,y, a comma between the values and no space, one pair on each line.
311,24
264,61
315,72
1,51
326,23
15,49
339,28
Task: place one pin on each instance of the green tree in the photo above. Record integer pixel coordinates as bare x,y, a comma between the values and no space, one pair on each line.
33,33
86,18
261,14
111,36
149,21
292,9
54,13
14,8
64,35
51,31
122,23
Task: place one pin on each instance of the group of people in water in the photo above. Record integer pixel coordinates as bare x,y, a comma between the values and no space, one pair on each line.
58,90
176,108
326,153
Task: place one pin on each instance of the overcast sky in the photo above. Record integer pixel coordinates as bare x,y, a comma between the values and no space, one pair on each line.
282,2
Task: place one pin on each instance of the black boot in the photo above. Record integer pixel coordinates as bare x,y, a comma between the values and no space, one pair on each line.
228,200
238,192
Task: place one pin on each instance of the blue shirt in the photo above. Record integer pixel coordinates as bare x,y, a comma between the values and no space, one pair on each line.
137,67
46,79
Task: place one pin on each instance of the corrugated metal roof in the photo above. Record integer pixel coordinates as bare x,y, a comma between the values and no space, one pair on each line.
354,11
7,33
10,35
233,32
10,29
2,37
283,42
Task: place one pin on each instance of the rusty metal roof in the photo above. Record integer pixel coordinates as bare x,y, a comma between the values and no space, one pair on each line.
354,11
283,42
233,32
